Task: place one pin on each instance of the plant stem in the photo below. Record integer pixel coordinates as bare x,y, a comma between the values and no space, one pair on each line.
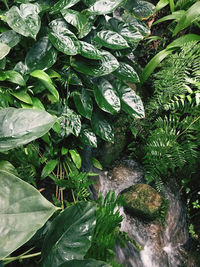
189,126
61,190
21,257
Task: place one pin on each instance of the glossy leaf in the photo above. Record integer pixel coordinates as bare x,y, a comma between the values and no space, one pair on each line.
4,50
23,211
103,7
8,167
89,51
22,96
24,20
69,236
48,168
21,126
96,163
61,4
62,38
87,136
111,40
143,9
83,103
85,263
130,34
41,56
127,73
137,25
102,127
10,37
97,68
14,77
46,81
78,20
76,158
131,103
106,97
71,122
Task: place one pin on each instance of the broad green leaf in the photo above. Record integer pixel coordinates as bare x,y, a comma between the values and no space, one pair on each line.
127,73
22,96
21,126
61,4
87,136
11,38
62,38
85,263
24,20
14,77
2,63
161,4
186,20
102,127
76,158
4,50
78,20
23,211
136,24
103,7
7,167
71,122
89,51
83,103
96,163
143,9
130,34
46,81
97,68
74,79
21,68
36,104
130,102
48,168
111,40
106,97
69,236
41,56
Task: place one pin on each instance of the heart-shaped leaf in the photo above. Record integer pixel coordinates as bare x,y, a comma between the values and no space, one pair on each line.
21,126
4,50
102,7
87,136
85,263
11,38
83,103
41,56
61,4
102,127
69,236
23,211
111,40
106,97
62,38
127,73
24,20
89,51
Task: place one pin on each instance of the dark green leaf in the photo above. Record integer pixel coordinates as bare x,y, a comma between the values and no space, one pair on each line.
25,20
143,9
89,51
127,73
76,158
106,97
102,127
48,168
87,136
71,122
63,4
62,38
4,50
111,40
22,96
97,68
21,126
14,77
131,103
11,38
83,103
136,24
85,263
23,207
130,34
102,7
70,234
41,56
7,167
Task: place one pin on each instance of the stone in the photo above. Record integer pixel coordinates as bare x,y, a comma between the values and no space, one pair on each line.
143,201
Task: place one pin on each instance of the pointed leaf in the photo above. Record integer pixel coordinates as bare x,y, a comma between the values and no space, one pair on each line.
48,168
25,20
97,68
87,136
131,103
69,236
143,9
127,73
10,37
83,103
130,34
89,51
76,158
106,97
96,163
102,7
4,50
23,211
21,126
85,263
15,77
22,96
102,127
62,38
111,40
41,56
63,4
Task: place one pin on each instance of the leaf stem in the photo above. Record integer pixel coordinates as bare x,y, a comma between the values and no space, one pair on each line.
189,126
21,257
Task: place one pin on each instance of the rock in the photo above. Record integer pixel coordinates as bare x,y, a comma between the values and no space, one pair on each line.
143,201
